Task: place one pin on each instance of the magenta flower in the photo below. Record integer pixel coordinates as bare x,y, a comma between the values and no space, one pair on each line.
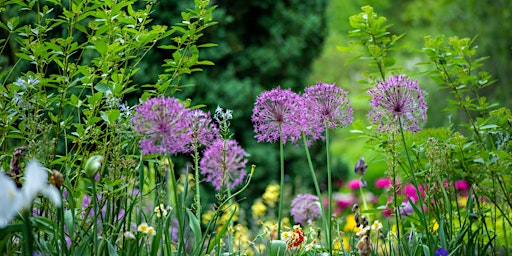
410,191
394,99
224,164
305,208
330,103
165,124
461,185
274,110
204,131
383,183
354,184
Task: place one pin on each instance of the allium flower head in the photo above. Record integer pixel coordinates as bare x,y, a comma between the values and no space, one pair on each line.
305,208
275,109
165,123
204,131
329,103
224,160
394,99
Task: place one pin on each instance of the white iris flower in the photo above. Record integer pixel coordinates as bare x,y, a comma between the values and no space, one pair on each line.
14,200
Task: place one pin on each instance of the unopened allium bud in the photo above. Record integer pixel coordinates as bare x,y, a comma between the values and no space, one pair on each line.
360,167
93,164
56,179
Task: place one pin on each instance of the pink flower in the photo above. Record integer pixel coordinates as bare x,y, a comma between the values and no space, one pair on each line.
410,191
354,184
383,183
461,185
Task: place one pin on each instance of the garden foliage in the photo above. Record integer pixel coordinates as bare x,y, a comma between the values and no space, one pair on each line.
106,168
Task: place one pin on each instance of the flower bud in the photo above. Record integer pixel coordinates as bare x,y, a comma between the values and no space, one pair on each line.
93,165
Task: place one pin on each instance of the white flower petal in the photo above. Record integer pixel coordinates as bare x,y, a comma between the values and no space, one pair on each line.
10,200
53,194
36,180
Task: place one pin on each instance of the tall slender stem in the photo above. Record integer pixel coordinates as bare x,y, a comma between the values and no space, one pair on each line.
317,188
95,222
177,207
415,182
281,185
329,188
196,182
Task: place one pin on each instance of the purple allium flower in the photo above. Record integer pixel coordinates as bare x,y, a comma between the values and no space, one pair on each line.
224,156
305,208
394,99
275,109
165,123
330,103
360,167
441,252
204,131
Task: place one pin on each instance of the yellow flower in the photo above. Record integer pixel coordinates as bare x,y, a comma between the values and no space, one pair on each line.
258,209
377,225
160,211
151,231
271,195
143,227
435,225
351,225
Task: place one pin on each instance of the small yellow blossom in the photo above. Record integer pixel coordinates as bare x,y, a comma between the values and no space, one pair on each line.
435,225
377,225
143,227
160,211
151,231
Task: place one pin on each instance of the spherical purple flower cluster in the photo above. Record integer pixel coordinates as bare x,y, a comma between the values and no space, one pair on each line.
305,208
165,124
224,163
329,103
320,104
276,111
397,99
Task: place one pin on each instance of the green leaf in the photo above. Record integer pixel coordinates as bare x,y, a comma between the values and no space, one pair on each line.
100,46
195,227
219,235
102,88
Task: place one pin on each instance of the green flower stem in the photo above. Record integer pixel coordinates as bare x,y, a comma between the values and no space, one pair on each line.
177,207
415,182
395,195
95,222
60,214
363,198
329,188
28,239
196,183
281,185
317,189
